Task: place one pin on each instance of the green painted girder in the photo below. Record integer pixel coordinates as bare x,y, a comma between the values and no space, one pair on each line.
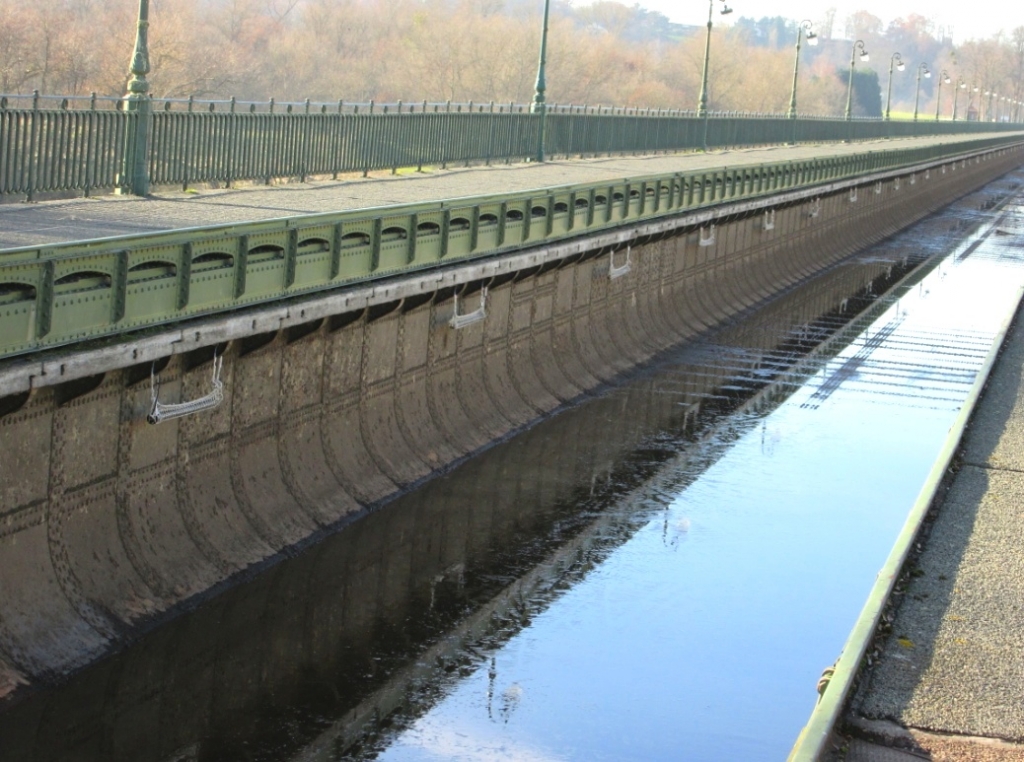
65,293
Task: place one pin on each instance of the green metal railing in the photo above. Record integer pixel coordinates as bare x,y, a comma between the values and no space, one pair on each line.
63,293
60,149
66,149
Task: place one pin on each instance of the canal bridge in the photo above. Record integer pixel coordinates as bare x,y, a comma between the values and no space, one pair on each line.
194,385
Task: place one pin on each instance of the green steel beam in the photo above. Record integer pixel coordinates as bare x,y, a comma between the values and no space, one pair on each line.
65,293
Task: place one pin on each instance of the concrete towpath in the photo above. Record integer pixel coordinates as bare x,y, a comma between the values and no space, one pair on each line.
948,683
50,222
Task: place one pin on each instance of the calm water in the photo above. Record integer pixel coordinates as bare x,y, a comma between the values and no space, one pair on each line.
659,573
703,635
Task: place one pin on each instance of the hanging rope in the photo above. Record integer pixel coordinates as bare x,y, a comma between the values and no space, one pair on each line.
160,413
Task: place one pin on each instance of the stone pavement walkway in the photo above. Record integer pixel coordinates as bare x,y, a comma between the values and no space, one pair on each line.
33,224
949,682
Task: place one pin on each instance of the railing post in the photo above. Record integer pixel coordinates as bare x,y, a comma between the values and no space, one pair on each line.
134,177
34,129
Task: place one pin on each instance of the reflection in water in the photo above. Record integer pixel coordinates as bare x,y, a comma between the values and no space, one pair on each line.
642,576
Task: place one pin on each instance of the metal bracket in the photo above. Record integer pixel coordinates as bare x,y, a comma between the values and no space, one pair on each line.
815,208
769,219
913,179
853,195
461,321
896,184
878,188
709,239
617,272
159,413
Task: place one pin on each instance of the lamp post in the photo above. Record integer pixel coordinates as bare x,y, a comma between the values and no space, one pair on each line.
970,99
702,106
539,100
922,68
812,39
895,60
943,78
960,85
134,178
859,44
988,111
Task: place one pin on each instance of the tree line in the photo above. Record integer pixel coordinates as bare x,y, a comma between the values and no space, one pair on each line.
387,50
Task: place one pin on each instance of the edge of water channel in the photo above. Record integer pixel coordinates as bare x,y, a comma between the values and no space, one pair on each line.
835,688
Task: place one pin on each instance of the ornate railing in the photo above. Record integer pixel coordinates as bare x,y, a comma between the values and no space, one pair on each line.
51,144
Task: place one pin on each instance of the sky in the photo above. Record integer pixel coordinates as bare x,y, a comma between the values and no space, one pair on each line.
954,14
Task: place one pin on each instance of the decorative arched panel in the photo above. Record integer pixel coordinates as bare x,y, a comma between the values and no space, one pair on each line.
84,280
152,270
313,246
213,260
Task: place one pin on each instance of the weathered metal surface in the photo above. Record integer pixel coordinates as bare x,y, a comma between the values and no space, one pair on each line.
65,293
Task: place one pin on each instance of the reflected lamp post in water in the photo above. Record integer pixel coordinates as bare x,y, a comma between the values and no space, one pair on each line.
943,79
922,69
960,85
894,60
539,105
812,39
858,45
702,106
988,111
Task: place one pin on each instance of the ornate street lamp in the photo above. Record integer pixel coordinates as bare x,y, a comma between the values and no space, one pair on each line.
970,99
897,61
858,45
702,106
943,78
134,178
960,85
988,111
812,39
539,102
922,68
